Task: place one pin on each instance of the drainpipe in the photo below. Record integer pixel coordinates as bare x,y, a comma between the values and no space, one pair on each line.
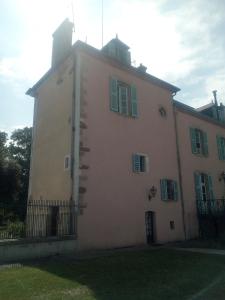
180,173
75,143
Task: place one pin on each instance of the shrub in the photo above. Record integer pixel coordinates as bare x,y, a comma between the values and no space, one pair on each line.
16,229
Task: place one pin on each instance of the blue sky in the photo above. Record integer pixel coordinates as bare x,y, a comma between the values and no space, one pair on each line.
182,42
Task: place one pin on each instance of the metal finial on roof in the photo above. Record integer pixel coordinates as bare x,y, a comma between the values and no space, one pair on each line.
116,35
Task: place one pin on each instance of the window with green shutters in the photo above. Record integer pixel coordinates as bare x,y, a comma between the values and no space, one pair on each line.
123,98
169,189
139,163
203,186
199,141
221,147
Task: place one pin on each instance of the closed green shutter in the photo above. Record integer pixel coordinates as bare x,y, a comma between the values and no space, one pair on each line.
123,100
193,140
114,103
134,107
211,195
219,147
198,190
136,163
175,188
163,188
205,144
222,143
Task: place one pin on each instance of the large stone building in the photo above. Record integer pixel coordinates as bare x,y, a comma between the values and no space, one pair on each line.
109,138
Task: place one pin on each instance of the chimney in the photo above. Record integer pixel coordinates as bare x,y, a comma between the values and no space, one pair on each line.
62,42
215,97
142,68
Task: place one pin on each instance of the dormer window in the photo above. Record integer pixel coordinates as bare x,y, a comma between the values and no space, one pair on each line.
118,50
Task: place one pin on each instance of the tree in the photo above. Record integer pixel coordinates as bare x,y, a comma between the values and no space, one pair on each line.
19,150
10,183
3,147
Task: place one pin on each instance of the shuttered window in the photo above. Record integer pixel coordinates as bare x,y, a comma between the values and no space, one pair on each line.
169,189
123,98
203,186
199,141
139,163
221,147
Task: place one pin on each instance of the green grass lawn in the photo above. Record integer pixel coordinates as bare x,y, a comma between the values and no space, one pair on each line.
147,274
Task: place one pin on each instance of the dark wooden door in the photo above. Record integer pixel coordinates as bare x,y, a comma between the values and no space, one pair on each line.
149,223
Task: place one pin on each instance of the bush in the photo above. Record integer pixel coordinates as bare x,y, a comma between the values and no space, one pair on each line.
16,229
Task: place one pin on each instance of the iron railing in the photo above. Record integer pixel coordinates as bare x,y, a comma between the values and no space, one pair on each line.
43,219
211,218
211,207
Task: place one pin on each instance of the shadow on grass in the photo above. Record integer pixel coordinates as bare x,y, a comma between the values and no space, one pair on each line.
159,274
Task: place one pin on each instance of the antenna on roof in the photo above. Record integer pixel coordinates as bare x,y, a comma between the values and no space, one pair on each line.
102,23
73,15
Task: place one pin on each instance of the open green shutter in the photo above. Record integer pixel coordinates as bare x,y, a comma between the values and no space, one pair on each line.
198,191
205,143
175,187
123,100
222,144
134,107
163,188
211,195
193,140
219,147
114,103
136,163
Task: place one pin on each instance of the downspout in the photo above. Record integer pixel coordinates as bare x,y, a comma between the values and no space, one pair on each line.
179,172
75,142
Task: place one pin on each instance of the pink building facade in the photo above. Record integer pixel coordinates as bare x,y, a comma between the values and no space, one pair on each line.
109,138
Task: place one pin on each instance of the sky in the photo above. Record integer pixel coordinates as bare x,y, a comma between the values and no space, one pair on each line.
179,41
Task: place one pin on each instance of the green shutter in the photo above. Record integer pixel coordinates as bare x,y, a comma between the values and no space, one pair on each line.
222,143
134,107
114,104
211,195
193,140
123,100
163,188
136,163
198,191
205,143
175,190
219,147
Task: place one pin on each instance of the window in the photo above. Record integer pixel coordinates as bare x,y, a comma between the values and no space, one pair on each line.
199,143
140,163
169,189
203,186
67,162
221,147
123,98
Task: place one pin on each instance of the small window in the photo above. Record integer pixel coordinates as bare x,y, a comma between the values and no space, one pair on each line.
140,163
67,162
199,142
169,189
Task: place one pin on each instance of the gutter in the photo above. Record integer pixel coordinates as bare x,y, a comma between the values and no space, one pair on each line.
75,154
180,173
